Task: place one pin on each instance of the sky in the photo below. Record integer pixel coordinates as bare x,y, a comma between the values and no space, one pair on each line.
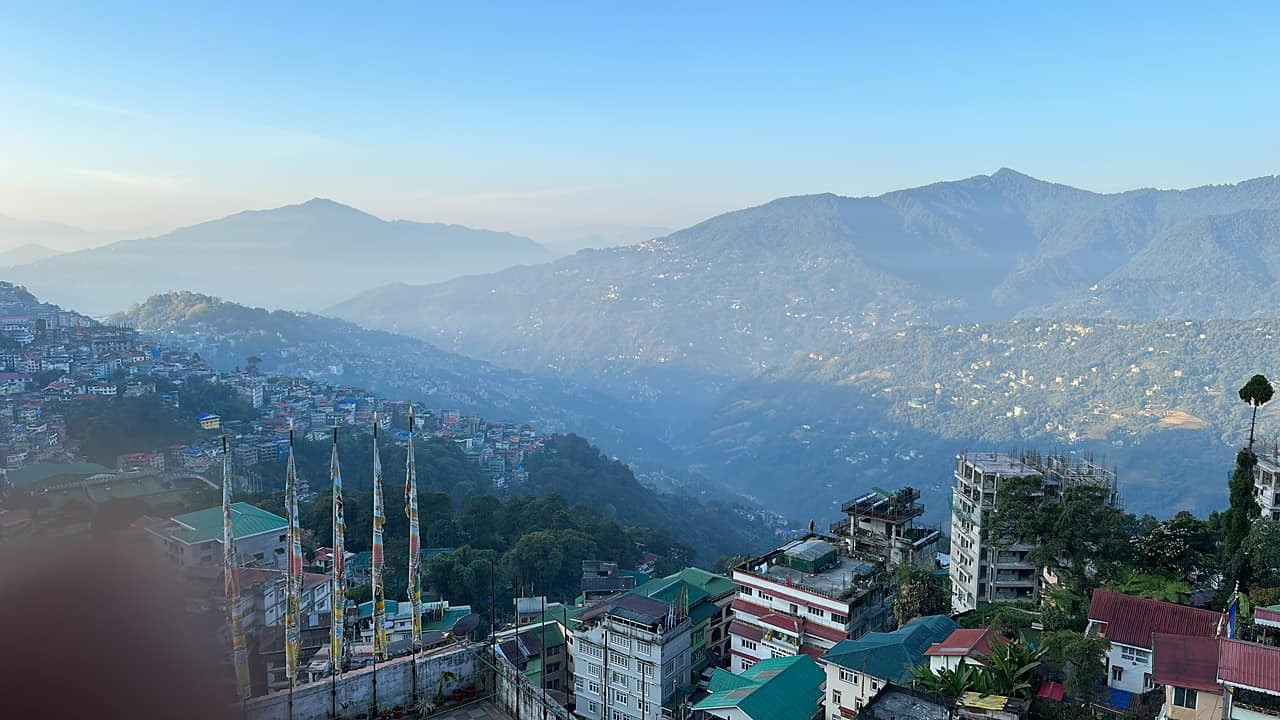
546,121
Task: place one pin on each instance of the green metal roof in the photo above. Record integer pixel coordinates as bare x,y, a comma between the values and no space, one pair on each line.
702,611
776,689
39,472
893,655
246,520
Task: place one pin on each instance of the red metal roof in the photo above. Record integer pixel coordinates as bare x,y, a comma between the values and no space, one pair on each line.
1249,664
812,651
824,632
965,642
744,630
748,607
782,622
1267,616
1052,691
1133,620
1188,662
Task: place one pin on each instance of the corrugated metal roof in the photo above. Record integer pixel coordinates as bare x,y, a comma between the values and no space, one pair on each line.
1188,662
1249,664
246,520
776,689
1133,620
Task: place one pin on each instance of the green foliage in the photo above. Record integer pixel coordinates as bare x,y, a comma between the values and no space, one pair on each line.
1184,546
1081,658
198,396
1261,551
106,428
1155,586
1239,517
1257,392
920,593
1009,672
1062,609
570,466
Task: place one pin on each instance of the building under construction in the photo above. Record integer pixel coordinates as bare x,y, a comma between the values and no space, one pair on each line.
883,524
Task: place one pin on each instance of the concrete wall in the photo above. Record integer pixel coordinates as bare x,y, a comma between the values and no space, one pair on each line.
520,698
354,691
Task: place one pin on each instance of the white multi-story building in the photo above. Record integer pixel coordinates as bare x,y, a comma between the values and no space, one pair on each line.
981,572
630,657
805,597
1266,485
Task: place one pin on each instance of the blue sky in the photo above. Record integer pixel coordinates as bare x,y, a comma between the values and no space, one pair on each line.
543,120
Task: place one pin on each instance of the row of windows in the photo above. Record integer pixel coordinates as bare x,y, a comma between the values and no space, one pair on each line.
795,609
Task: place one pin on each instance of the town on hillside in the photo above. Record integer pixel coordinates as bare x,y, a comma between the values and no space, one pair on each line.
1040,597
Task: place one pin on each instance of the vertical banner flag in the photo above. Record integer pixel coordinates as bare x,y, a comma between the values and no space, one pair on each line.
239,650
379,519
293,596
415,542
1233,610
339,603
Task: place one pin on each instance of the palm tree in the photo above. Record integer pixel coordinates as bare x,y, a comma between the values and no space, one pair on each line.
1011,668
949,683
1256,392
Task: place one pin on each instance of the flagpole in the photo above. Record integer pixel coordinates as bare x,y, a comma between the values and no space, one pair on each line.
293,601
544,648
376,564
338,595
415,551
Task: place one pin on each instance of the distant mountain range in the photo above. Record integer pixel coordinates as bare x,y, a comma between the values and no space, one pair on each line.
832,340
300,256
746,290
24,254
16,233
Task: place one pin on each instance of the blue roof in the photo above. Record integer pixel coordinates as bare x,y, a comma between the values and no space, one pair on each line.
892,656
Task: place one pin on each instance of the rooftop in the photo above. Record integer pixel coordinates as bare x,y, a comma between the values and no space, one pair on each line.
846,575
776,689
1246,664
891,656
246,520
895,703
1130,620
966,642
999,464
39,472
1188,662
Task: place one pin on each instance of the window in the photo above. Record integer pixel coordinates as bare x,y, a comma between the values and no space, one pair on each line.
746,664
617,678
594,670
817,611
766,598
646,669
1147,684
593,687
1184,698
283,538
748,644
839,619
1117,673
847,676
589,650
795,609
778,654
621,641
593,707
746,591
1135,655
620,697
618,659
642,647
835,697
553,667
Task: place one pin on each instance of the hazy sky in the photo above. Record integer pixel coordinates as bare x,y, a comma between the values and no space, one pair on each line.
537,119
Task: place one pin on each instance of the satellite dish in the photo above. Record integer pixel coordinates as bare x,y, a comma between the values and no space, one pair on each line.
466,625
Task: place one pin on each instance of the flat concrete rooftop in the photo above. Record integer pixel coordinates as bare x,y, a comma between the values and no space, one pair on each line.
833,581
998,464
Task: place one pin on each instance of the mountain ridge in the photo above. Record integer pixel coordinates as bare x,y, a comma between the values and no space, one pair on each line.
305,255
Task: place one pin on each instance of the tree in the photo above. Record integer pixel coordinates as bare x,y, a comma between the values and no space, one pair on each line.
1011,668
1155,586
1183,546
920,593
950,684
1261,550
1081,657
1239,516
1257,392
